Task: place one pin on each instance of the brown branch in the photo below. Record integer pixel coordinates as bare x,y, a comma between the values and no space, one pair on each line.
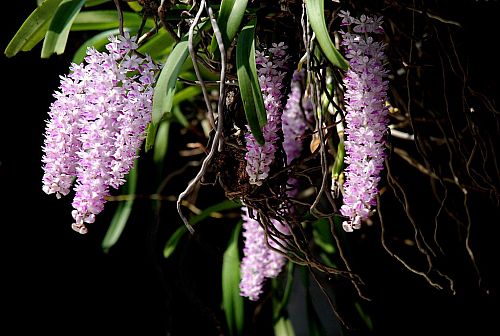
162,12
120,16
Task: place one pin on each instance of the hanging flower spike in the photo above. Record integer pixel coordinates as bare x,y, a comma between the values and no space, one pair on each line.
366,117
254,259
96,126
271,68
259,261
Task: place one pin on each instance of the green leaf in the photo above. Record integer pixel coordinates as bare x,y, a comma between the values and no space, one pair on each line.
185,94
316,15
171,244
338,165
365,317
33,29
179,97
232,301
57,34
122,213
166,83
92,3
161,143
98,41
173,241
251,95
315,327
324,245
179,117
280,306
322,235
107,19
135,6
224,205
230,16
158,46
283,327
151,135
324,241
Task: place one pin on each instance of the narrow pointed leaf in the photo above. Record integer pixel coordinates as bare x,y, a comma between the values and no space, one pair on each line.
230,16
284,327
33,29
224,205
178,116
166,84
158,46
315,327
185,94
161,143
107,19
338,165
280,306
251,95
120,218
322,236
165,88
92,3
232,301
173,241
365,317
57,34
135,6
151,135
316,15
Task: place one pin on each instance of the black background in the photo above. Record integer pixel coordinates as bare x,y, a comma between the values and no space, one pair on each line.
56,282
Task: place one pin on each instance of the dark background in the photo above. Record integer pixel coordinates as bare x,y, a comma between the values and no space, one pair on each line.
57,282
